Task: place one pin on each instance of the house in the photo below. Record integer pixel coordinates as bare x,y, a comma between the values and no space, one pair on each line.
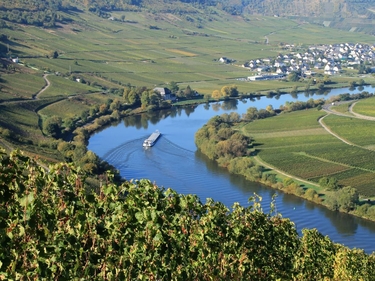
165,93
223,60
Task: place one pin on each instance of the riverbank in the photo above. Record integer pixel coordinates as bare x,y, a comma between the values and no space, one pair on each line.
337,198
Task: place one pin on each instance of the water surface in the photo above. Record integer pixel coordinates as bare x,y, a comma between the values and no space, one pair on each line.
175,162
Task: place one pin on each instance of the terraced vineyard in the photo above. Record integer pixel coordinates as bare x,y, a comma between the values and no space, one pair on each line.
296,144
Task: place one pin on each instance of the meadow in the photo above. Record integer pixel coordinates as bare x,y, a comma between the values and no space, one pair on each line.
296,144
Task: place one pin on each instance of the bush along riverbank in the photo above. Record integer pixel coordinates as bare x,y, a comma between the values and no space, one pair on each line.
222,140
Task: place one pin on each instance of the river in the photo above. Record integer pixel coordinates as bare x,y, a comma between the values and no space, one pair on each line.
175,162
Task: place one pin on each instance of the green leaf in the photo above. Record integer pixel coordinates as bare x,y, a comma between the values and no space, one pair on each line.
139,217
22,230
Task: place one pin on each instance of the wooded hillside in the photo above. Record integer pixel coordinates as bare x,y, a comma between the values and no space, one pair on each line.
303,8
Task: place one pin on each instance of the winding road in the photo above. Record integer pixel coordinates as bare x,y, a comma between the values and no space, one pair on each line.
327,108
48,83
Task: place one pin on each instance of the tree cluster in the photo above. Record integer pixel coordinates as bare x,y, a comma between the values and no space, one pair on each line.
299,105
225,92
145,98
39,13
54,228
220,142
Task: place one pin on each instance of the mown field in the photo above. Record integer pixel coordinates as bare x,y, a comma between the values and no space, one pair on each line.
365,107
295,143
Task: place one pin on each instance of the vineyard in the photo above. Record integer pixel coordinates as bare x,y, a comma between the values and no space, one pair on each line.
56,228
357,131
296,144
365,107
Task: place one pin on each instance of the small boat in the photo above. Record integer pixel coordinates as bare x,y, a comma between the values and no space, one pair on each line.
150,141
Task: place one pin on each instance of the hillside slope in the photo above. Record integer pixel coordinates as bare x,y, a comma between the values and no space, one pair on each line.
354,15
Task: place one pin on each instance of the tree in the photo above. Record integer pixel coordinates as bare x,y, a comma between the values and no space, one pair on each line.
173,87
52,126
269,108
145,99
293,76
326,79
84,115
234,117
330,183
115,105
347,198
54,55
188,93
251,113
216,95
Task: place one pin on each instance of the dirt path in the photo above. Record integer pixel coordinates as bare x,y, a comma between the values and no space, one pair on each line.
357,115
332,133
327,108
283,173
48,83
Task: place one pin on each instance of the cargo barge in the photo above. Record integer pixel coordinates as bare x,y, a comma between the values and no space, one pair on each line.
150,141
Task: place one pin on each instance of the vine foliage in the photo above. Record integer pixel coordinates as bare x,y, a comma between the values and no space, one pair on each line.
52,227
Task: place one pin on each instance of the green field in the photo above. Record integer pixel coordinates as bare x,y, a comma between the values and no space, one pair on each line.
342,108
295,143
20,86
64,87
114,54
74,106
131,53
365,107
357,131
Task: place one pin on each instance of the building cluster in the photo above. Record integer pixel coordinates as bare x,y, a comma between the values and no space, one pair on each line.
329,58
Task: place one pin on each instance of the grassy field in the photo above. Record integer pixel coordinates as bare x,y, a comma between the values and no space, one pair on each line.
296,144
365,107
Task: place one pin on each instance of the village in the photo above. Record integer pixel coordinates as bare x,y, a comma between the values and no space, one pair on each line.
324,59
